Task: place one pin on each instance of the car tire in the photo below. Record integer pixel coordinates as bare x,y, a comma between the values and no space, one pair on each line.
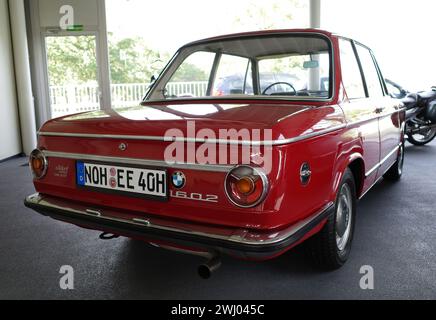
330,248
396,171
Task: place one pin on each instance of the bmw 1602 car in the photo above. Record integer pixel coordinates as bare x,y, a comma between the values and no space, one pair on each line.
249,173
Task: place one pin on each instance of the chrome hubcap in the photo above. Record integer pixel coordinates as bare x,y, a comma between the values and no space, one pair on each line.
343,217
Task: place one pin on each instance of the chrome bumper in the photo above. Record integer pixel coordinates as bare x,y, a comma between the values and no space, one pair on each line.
225,239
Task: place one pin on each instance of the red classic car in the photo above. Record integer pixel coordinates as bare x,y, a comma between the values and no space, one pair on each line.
249,173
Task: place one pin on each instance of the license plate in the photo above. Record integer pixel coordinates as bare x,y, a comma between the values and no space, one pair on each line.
147,183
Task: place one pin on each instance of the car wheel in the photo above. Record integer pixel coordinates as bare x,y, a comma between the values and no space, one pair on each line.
330,248
396,171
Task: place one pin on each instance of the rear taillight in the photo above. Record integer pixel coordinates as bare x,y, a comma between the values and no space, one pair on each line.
246,187
38,164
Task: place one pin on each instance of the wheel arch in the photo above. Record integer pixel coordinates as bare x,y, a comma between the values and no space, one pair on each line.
356,164
357,167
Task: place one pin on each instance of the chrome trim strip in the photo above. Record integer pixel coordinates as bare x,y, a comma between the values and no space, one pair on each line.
195,140
309,135
230,98
370,188
294,114
93,212
375,117
384,115
359,122
142,162
378,166
374,169
373,185
243,236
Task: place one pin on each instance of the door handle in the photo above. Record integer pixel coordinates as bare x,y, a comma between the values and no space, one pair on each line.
379,110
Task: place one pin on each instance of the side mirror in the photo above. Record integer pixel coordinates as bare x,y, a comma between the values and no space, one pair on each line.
154,77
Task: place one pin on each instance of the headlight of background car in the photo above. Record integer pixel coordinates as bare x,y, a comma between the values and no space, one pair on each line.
246,187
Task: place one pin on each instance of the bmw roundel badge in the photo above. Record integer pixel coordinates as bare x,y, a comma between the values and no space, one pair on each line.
178,179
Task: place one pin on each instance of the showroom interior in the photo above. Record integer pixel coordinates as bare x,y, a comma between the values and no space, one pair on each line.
63,57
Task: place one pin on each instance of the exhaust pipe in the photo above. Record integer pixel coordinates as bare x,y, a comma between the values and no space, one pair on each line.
108,236
206,270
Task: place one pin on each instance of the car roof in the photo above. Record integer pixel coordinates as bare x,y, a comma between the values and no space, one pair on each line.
261,33
273,32
267,46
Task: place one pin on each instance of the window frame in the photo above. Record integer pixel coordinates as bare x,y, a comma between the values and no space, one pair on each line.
359,65
382,81
375,65
189,49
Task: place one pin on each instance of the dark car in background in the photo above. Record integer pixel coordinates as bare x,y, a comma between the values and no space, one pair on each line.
234,84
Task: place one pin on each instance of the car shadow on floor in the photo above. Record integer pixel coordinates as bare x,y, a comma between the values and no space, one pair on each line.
157,262
149,272
164,261
163,274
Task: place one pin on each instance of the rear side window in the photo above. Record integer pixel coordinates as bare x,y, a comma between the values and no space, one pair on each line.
370,71
191,78
233,76
351,76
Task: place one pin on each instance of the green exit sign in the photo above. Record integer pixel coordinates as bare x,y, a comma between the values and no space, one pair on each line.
76,27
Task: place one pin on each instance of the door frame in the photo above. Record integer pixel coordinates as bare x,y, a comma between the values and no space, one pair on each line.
39,58
49,33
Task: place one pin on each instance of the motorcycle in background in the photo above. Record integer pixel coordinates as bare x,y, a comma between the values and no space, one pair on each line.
420,113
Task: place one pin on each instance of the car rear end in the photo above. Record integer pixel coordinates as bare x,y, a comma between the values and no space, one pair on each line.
109,171
122,184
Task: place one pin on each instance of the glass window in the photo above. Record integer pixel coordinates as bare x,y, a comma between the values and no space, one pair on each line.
72,74
351,76
191,77
303,75
293,66
370,71
233,76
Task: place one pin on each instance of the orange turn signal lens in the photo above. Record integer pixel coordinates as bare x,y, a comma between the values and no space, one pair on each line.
245,185
38,164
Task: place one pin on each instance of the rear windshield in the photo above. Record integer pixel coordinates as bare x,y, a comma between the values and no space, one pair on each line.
291,66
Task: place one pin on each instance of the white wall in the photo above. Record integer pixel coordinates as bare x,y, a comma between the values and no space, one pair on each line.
10,142
85,12
26,108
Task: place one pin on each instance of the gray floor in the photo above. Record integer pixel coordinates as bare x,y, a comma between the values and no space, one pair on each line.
395,234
